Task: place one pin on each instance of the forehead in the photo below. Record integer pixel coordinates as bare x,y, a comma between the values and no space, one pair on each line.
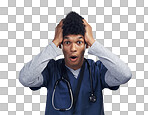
74,36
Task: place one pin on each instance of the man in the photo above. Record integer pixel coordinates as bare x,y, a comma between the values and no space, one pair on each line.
74,84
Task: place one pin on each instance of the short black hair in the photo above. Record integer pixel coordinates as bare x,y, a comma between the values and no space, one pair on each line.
73,24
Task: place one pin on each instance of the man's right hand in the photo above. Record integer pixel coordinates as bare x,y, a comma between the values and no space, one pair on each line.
58,38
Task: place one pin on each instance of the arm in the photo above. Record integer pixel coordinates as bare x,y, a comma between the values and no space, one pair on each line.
118,72
30,75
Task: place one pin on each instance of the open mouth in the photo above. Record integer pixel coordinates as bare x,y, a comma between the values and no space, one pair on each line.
73,58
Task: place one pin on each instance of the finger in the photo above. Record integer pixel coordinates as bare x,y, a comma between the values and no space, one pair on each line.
61,22
85,22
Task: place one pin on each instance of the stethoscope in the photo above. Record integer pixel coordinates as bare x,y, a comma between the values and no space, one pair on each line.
92,97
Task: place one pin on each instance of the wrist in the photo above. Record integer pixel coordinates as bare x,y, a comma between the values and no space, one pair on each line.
56,43
91,42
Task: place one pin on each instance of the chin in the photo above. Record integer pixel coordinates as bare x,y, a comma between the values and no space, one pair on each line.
74,63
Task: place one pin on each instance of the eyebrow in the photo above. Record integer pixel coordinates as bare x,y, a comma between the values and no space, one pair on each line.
68,37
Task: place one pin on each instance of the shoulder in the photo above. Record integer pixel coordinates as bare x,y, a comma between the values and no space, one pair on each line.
53,65
97,66
54,62
94,63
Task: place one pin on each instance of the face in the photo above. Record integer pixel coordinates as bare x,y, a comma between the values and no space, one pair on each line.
73,50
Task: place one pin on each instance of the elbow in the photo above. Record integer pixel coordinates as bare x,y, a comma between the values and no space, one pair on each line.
28,81
127,76
23,80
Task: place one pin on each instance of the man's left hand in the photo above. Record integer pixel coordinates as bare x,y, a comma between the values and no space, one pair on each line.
88,34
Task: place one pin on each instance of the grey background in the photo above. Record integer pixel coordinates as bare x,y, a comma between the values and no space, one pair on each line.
27,26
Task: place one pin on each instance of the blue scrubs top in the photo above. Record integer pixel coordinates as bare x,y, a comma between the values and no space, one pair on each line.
52,73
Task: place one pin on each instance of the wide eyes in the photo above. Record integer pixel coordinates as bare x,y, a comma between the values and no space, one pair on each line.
68,42
79,42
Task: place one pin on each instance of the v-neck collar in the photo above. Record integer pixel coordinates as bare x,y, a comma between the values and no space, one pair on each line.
74,72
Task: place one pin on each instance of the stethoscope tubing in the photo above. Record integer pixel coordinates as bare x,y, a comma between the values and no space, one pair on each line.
92,96
70,91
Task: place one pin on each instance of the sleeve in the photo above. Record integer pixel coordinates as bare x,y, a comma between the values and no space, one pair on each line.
117,71
30,75
45,80
102,72
47,74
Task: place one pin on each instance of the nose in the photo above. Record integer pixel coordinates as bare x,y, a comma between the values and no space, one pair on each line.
73,48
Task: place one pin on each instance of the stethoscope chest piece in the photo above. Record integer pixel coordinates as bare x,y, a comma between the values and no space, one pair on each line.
92,98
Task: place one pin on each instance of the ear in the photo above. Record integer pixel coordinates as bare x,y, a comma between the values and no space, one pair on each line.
87,46
60,46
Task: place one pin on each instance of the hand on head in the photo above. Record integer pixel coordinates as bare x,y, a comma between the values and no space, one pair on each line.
88,34
59,34
58,38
